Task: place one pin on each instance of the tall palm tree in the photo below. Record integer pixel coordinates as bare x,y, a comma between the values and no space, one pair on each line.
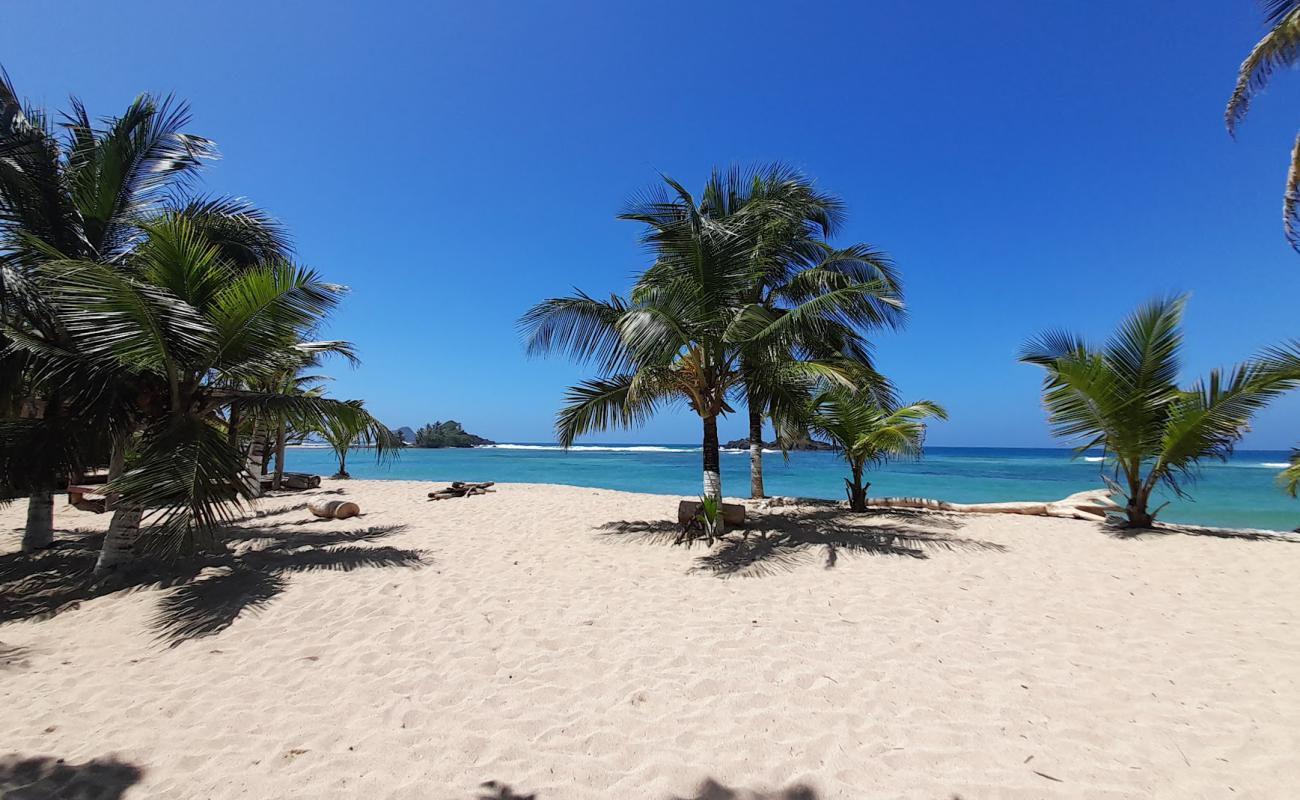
1279,49
189,328
681,335
867,432
791,263
1123,398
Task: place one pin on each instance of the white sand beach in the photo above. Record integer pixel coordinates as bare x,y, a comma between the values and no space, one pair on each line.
535,639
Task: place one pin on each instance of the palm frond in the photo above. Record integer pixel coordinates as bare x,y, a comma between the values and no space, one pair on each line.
1278,49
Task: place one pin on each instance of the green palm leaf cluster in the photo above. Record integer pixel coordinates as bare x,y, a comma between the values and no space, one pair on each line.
868,432
1281,365
144,327
1124,399
1279,49
744,300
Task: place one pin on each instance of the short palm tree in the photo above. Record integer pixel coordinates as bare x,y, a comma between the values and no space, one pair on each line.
1281,366
1290,477
683,333
1123,398
343,433
1279,49
867,432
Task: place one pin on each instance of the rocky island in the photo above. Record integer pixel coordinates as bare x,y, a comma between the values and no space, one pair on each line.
801,444
442,434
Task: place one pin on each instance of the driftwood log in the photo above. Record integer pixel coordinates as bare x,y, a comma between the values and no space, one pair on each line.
1091,505
462,489
333,509
732,513
294,480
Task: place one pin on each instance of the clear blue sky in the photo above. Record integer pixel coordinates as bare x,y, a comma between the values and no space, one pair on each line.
1027,164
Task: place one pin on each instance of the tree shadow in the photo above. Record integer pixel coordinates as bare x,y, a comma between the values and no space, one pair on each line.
711,789
232,584
13,656
782,542
46,778
1118,531
495,790
209,591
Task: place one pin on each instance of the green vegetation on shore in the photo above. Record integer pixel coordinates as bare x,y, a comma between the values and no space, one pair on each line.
447,434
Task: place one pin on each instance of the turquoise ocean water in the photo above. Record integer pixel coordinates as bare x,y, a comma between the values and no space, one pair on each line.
1241,493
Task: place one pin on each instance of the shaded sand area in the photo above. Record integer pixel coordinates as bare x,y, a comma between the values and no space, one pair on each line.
550,640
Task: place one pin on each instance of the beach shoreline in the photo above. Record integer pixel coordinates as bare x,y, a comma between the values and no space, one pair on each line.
553,640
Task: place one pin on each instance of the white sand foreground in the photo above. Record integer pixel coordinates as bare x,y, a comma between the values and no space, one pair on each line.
530,646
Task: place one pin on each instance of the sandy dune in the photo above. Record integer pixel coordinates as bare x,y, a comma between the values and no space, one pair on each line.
535,639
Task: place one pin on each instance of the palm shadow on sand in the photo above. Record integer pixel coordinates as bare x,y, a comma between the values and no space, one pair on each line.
47,778
207,592
773,543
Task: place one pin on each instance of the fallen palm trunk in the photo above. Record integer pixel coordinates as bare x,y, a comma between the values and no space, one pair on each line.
462,489
1091,505
333,509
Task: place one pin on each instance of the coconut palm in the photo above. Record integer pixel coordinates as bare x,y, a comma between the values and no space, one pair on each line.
681,334
78,195
792,263
189,329
1279,49
867,432
1123,398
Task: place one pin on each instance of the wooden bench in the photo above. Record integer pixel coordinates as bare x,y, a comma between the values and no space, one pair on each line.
78,498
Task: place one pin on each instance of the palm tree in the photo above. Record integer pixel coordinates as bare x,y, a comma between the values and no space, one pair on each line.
1290,477
1123,398
190,329
867,432
1279,49
792,263
682,334
78,196
1281,367
344,433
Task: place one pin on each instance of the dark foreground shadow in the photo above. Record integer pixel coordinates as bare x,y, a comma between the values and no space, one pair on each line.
46,778
781,542
208,592
710,789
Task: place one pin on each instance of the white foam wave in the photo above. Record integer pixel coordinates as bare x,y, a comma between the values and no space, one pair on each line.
1275,464
591,448
1094,459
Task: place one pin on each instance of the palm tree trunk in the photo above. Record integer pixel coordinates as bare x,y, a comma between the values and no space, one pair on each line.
119,549
712,469
232,427
343,465
256,459
1136,510
116,466
756,453
39,533
280,437
857,490
1138,495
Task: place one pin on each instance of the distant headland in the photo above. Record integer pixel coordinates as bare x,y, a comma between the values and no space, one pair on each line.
440,434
